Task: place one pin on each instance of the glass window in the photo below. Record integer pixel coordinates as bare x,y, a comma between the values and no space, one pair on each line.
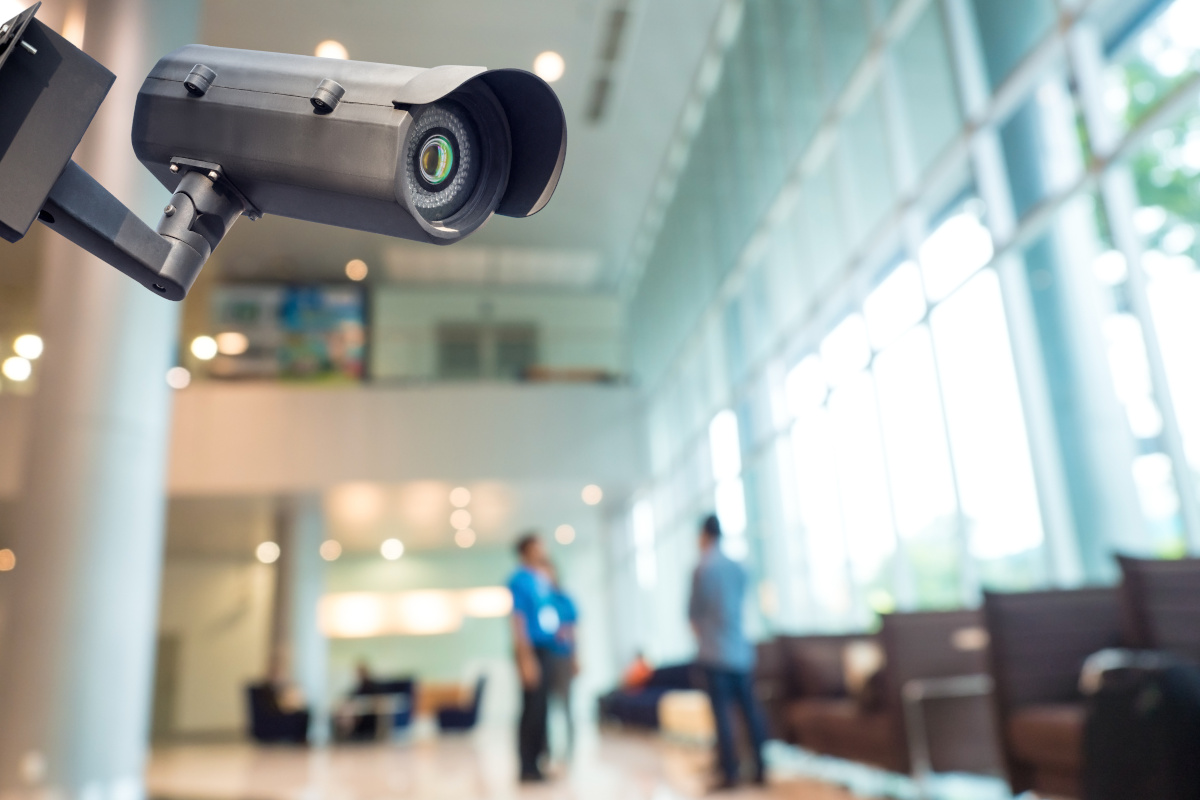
820,511
846,349
725,447
868,167
987,433
1150,64
1009,29
918,458
645,561
805,385
1043,144
926,79
863,488
844,40
895,305
953,252
800,35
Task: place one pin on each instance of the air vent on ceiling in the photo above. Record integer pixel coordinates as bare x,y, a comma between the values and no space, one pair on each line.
608,58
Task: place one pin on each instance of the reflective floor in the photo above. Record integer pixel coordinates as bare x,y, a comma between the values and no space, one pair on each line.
612,766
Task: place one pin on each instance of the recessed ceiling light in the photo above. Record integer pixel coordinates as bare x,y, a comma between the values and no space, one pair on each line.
460,519
17,369
592,494
267,552
332,48
28,346
460,497
8,560
356,269
464,538
178,377
564,534
204,347
549,66
331,550
392,549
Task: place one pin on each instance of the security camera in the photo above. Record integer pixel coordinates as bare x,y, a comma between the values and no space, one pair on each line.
423,154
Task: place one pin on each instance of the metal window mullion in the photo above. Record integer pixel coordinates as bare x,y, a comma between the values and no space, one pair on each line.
992,178
1118,195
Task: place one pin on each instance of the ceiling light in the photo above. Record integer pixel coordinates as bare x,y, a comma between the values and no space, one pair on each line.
8,560
204,347
564,534
331,550
232,343
17,369
178,377
331,48
464,538
28,346
460,497
549,66
460,519
392,549
592,494
356,270
267,552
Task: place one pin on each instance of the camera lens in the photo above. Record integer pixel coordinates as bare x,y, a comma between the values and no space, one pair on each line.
444,160
437,159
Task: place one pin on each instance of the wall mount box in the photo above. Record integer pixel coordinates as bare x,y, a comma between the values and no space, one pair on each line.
49,93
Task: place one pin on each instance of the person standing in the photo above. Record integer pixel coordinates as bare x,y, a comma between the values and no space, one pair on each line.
534,624
725,654
564,658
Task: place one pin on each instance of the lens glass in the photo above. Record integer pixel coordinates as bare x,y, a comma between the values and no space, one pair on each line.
437,159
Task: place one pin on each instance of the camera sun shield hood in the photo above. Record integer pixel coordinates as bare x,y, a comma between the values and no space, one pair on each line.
295,150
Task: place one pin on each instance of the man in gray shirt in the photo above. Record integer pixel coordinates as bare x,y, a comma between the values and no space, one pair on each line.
726,656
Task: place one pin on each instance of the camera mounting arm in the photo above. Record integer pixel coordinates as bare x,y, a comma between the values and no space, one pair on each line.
167,262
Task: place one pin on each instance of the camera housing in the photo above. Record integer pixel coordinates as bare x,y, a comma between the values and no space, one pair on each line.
339,142
422,154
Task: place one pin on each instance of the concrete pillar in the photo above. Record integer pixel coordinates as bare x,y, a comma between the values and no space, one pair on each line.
76,670
298,647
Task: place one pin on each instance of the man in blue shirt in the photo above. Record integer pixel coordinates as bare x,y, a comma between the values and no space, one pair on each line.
535,625
725,654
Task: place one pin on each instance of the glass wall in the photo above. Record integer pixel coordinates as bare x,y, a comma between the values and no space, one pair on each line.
919,320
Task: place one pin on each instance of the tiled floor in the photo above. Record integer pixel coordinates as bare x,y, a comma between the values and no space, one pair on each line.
478,767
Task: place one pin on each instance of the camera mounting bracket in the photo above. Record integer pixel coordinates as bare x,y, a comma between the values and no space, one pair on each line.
202,210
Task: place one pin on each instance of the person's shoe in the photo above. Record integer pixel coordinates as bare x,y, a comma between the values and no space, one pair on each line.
533,777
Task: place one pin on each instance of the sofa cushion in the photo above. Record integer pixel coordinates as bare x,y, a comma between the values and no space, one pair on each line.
837,727
1050,734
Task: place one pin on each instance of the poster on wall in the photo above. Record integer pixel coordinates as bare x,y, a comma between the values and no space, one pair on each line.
301,333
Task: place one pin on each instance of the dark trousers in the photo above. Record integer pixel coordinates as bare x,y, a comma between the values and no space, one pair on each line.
531,735
726,688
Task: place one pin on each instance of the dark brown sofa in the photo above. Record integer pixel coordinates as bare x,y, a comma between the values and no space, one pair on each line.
871,728
1161,601
1039,642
